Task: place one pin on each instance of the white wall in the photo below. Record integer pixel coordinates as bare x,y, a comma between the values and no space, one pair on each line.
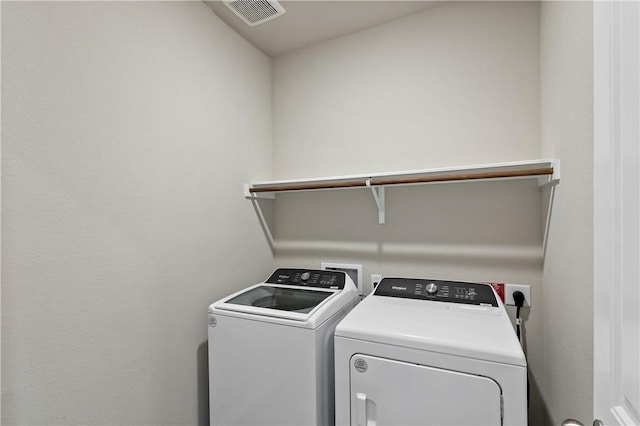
125,145
128,129
454,85
567,132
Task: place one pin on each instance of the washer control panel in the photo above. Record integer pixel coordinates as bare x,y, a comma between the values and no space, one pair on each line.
438,291
308,278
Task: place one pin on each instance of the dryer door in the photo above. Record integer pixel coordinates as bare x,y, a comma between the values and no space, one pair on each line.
388,392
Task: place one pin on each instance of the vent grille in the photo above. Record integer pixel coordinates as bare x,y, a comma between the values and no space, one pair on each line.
255,12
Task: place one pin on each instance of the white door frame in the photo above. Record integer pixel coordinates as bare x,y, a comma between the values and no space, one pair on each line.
616,183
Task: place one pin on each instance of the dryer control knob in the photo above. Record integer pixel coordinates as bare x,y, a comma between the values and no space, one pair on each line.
305,276
432,288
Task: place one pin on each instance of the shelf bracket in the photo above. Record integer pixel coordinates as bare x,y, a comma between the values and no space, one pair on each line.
252,195
554,178
378,196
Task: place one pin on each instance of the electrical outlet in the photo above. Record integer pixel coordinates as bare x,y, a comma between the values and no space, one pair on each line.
510,288
375,280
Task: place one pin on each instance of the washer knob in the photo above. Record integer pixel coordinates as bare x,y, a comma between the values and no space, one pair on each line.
305,276
432,288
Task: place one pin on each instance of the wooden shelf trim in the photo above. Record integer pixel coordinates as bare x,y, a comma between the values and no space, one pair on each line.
388,181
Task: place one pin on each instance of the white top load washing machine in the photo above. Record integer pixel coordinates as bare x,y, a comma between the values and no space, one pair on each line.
429,352
271,349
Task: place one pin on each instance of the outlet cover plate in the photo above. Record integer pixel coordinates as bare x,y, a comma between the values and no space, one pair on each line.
510,288
375,280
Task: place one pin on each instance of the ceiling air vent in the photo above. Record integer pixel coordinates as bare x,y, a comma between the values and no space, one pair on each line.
255,12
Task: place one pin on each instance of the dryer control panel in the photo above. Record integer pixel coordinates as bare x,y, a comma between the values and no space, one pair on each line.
308,278
437,291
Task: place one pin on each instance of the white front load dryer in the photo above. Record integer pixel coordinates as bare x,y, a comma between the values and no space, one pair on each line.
429,352
271,349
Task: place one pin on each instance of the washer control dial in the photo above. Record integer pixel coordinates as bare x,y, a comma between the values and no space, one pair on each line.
432,288
305,276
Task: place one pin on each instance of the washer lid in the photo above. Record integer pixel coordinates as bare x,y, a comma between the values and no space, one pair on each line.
287,302
296,297
287,299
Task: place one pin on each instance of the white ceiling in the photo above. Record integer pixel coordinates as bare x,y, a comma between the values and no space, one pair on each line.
307,22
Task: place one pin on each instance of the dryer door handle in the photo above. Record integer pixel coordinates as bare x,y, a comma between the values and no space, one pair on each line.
361,409
364,417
